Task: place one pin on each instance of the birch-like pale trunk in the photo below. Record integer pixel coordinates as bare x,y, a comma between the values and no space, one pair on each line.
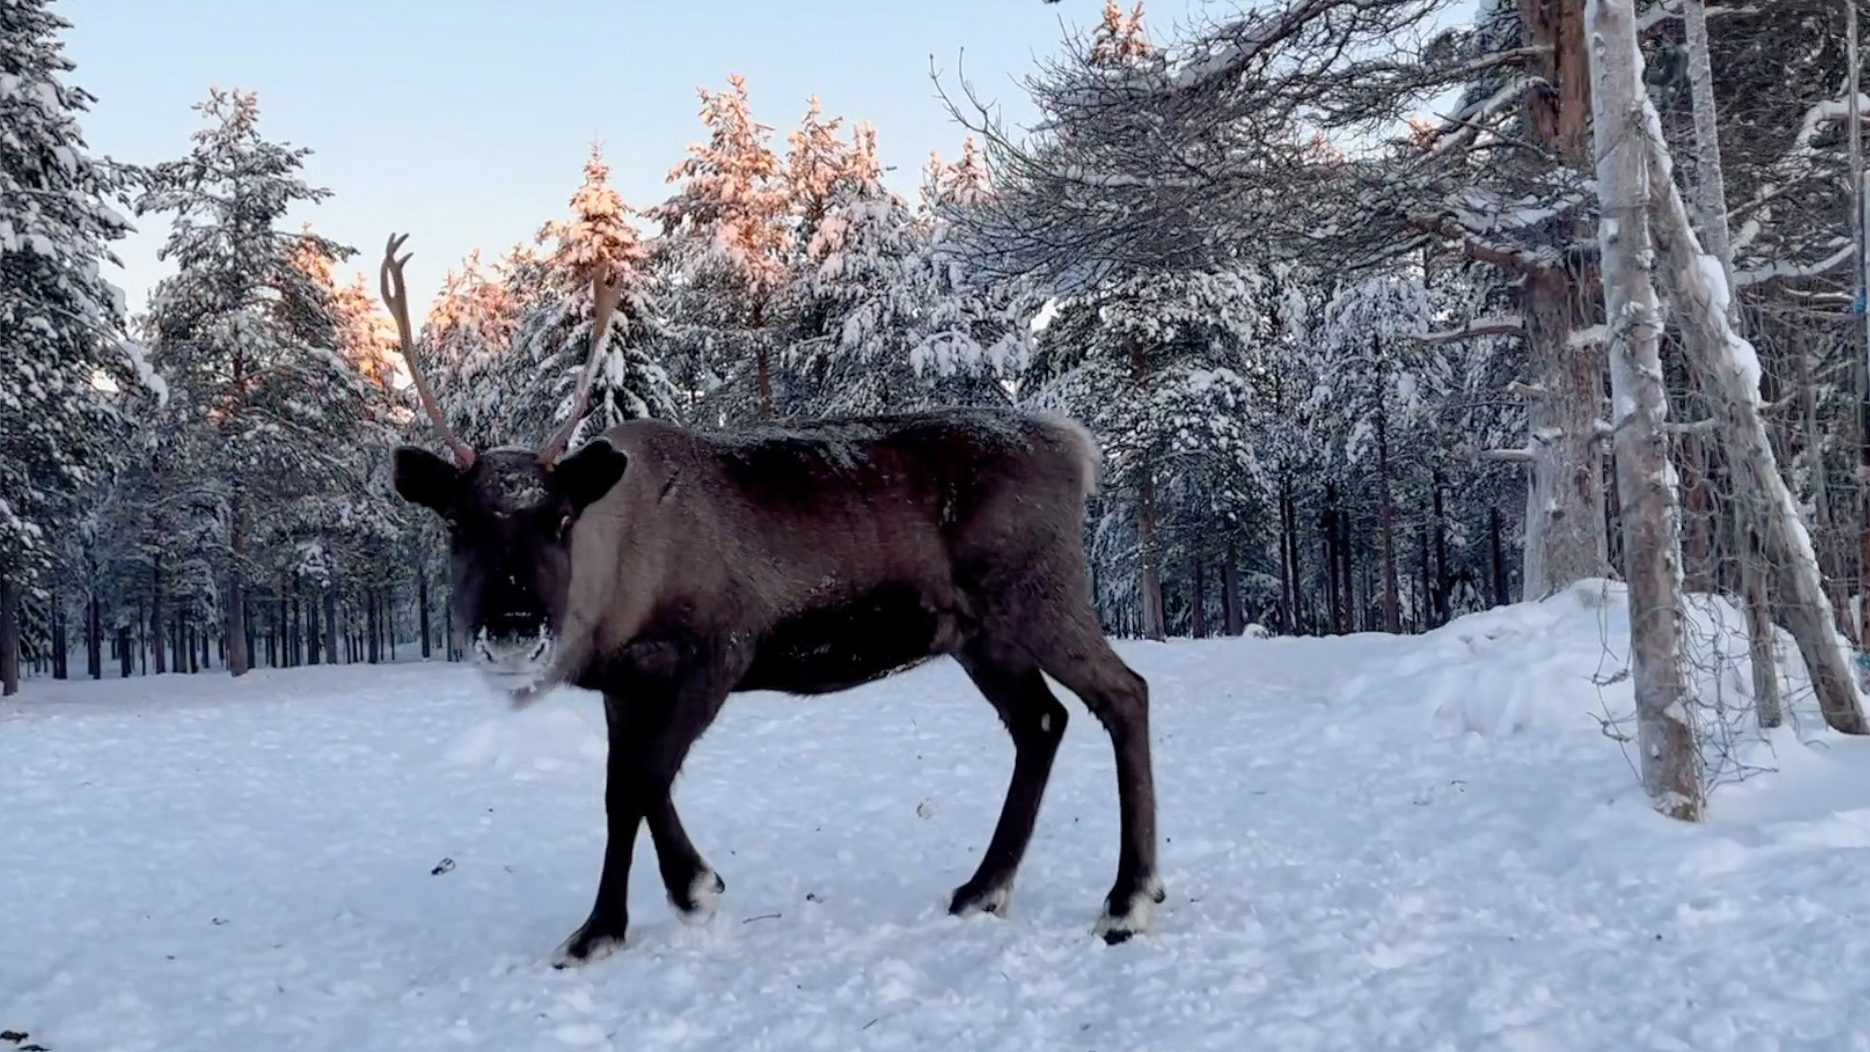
1729,367
1711,187
1650,511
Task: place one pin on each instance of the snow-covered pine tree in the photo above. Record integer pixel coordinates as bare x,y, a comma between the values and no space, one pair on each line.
553,337
726,236
466,344
971,336
246,336
851,350
60,321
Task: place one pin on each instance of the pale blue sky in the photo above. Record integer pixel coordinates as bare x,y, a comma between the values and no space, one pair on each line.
466,124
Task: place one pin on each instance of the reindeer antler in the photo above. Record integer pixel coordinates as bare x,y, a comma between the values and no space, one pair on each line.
396,298
605,295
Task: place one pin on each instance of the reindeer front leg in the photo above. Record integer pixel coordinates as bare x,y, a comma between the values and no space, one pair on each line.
603,932
651,731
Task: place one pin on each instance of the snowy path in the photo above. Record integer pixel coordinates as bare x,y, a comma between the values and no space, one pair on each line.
193,863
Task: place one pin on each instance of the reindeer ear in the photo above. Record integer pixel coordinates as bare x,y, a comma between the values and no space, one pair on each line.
423,478
584,476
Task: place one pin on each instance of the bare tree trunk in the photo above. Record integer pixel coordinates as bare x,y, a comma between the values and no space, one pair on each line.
1289,557
239,643
1197,587
94,638
155,617
1392,600
1230,589
1348,613
331,624
1730,366
1760,650
9,635
1154,627
1566,534
1670,762
61,654
1328,525
1442,584
422,607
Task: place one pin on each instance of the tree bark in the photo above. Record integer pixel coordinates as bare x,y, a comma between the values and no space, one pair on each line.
1721,356
61,653
9,635
1392,599
1566,535
1328,526
1442,583
1761,652
94,638
370,625
1197,605
155,617
1670,762
1497,549
422,607
331,624
1230,589
239,643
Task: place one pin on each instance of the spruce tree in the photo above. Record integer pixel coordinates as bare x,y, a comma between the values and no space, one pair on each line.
59,319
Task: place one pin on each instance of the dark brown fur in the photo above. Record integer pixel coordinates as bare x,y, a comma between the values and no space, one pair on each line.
805,559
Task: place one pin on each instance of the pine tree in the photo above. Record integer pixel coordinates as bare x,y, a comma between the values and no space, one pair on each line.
727,233
247,333
59,318
553,338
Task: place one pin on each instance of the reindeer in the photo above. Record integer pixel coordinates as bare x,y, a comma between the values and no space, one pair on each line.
667,568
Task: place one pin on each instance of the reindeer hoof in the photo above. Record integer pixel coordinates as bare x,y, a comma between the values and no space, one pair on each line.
589,945
1127,914
969,898
704,895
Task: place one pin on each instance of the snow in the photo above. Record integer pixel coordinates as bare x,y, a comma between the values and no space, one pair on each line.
1368,842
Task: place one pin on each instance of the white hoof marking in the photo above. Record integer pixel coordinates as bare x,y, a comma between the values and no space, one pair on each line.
702,892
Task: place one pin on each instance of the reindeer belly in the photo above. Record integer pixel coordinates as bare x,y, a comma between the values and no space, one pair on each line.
838,646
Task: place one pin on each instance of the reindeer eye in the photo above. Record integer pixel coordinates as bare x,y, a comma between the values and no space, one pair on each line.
564,526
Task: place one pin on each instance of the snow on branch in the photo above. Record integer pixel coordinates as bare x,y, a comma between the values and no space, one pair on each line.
1786,269
1506,325
1663,12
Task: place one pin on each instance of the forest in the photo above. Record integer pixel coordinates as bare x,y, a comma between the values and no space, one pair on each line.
1338,285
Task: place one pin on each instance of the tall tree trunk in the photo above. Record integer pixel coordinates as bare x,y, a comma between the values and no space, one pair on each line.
1716,351
1442,582
1328,527
370,623
1230,589
1154,625
1428,585
1711,200
1348,614
1761,652
235,631
1288,560
61,654
1197,599
1497,551
155,617
126,653
331,624
314,632
1566,537
1670,762
9,635
1392,598
422,607
94,638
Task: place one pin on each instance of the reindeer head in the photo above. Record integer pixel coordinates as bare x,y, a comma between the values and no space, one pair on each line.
509,512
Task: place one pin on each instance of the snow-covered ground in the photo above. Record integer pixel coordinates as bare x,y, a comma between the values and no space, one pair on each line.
1369,843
